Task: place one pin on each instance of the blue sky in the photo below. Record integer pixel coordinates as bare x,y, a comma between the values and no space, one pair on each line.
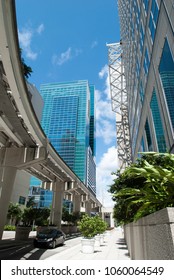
66,41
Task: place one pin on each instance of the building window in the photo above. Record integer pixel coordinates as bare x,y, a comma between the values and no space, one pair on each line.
146,61
141,38
22,200
141,91
166,70
145,4
157,123
141,148
153,18
148,136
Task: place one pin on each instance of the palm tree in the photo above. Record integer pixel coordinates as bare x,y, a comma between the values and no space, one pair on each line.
31,202
27,70
14,213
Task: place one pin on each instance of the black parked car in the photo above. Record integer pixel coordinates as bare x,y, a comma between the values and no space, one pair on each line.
49,238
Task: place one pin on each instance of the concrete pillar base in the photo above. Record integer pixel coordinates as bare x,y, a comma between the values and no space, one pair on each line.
7,178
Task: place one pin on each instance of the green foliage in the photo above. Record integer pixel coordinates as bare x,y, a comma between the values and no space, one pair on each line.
31,202
144,187
27,70
10,228
90,226
14,213
101,225
37,215
87,226
70,218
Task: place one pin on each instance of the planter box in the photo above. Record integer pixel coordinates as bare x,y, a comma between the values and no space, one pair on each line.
87,245
22,233
40,228
69,229
152,237
97,241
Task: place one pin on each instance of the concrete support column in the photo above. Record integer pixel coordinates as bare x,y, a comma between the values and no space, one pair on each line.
72,184
46,185
76,202
68,196
66,186
88,206
7,178
57,204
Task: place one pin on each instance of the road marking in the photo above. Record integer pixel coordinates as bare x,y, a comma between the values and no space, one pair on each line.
26,256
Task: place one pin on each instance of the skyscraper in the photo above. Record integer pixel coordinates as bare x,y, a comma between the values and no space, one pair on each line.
147,43
69,123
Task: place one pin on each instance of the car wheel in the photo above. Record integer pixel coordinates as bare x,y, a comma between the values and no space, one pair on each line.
53,244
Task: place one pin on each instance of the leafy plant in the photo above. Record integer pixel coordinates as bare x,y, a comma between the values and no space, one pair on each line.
31,202
70,218
101,225
27,70
39,216
144,187
87,226
10,228
14,213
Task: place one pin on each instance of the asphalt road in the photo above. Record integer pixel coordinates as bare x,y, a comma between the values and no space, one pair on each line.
26,251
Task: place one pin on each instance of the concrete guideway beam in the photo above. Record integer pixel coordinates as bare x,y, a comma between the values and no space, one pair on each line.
21,157
9,49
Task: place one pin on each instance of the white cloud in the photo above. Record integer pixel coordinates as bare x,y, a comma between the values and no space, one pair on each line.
106,130
25,40
25,37
40,28
107,165
104,74
103,107
105,117
94,44
62,58
65,56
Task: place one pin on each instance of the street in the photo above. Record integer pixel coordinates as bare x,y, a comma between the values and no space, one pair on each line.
26,251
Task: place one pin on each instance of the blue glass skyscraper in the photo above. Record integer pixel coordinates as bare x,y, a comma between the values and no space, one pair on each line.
68,120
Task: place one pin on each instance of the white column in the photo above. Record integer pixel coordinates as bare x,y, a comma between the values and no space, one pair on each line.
57,204
68,196
88,206
76,202
46,185
7,178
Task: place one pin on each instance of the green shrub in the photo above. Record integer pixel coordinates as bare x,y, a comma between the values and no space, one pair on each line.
9,228
101,225
144,187
87,226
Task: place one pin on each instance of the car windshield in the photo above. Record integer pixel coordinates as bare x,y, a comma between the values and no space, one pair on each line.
47,231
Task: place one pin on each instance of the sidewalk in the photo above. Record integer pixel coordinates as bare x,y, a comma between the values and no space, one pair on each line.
113,248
